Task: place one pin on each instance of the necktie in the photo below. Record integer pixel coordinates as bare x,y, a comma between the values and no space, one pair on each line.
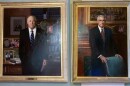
102,34
32,37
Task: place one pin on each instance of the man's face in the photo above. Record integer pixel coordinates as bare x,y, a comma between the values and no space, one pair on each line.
31,22
101,22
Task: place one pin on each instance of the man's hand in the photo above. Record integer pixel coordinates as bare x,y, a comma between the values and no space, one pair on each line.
103,59
43,64
118,55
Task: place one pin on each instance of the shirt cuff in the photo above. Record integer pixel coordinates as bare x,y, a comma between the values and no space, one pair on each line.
99,56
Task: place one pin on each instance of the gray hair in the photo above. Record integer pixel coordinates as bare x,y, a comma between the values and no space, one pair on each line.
100,16
35,19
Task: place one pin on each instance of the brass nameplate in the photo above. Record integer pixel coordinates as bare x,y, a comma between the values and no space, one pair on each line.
31,78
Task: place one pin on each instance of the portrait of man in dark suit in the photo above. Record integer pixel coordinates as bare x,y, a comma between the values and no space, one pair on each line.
33,48
102,47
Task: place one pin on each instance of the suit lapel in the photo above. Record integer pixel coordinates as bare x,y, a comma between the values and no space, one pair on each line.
99,34
105,34
27,35
37,38
98,31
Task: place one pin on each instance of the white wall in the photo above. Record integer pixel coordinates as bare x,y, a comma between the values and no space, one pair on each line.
69,52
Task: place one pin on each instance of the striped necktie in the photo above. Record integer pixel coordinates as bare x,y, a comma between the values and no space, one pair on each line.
102,34
32,37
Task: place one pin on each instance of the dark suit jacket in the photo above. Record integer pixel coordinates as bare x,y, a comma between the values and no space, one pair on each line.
32,56
99,47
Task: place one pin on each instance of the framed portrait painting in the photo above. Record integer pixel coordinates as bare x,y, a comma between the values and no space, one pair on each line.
16,24
112,14
40,61
100,41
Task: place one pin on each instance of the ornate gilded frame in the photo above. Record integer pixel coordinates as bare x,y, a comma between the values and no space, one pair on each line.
63,41
77,4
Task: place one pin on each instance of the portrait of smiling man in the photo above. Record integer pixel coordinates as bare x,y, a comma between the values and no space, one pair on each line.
102,47
33,48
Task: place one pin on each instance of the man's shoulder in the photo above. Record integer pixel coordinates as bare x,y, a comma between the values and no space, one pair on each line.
94,29
41,30
108,29
24,30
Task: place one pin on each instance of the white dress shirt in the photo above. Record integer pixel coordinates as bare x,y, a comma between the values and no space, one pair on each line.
34,32
100,29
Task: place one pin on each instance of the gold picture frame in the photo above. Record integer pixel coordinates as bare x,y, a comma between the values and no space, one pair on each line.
59,20
81,50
